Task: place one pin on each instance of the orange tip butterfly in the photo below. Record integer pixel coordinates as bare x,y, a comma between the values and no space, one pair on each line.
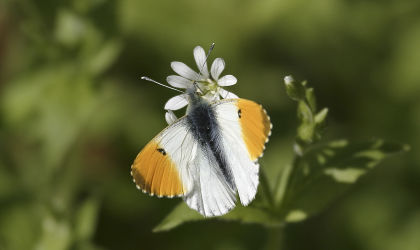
208,156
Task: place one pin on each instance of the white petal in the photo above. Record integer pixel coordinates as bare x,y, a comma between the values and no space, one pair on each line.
200,59
176,102
183,70
227,80
226,94
217,67
179,82
170,117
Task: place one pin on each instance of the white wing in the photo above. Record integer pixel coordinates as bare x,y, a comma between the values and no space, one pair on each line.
163,166
211,194
245,128
173,163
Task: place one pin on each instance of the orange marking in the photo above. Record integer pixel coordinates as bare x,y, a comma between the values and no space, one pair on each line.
255,125
156,173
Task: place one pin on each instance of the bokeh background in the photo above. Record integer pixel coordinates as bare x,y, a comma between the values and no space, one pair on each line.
74,114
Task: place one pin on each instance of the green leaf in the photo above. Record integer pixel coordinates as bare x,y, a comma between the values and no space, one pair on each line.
19,225
104,57
252,214
306,132
86,218
305,113
282,183
295,216
307,128
320,116
310,97
70,28
328,170
55,234
182,213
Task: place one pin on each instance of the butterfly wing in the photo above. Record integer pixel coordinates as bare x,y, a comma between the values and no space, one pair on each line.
162,166
211,195
245,128
174,164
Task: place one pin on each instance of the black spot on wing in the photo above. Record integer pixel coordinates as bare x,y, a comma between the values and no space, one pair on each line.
161,150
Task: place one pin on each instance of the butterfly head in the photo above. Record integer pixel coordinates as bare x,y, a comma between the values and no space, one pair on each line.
196,95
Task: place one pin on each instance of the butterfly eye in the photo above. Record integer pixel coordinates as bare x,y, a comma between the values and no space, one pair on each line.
239,113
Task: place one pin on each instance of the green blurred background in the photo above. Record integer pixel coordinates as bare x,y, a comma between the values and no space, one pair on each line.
74,114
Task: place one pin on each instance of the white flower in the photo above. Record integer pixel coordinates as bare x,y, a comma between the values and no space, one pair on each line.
170,117
209,84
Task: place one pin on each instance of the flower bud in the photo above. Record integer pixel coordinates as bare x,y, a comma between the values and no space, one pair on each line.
294,90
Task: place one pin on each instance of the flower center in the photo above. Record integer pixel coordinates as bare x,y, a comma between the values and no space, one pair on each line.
211,85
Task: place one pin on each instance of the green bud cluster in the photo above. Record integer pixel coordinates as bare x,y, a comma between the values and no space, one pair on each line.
311,121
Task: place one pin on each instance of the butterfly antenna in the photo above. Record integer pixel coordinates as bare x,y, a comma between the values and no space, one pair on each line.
198,87
158,83
204,63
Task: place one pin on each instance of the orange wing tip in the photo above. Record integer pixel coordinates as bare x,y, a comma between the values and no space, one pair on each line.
269,120
260,133
153,194
155,173
268,135
137,186
167,196
145,191
132,175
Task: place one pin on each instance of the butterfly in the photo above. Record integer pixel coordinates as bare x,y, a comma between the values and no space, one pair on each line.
207,156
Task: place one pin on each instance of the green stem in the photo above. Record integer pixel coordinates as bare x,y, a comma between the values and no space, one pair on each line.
282,184
274,238
266,187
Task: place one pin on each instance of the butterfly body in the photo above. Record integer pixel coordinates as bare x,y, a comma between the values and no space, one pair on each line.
207,156
205,129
